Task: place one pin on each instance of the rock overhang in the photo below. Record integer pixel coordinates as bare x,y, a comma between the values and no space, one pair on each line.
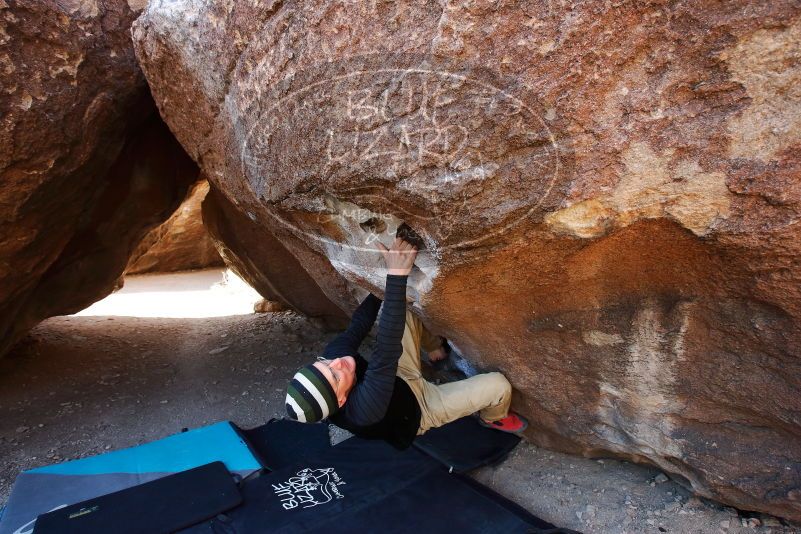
618,295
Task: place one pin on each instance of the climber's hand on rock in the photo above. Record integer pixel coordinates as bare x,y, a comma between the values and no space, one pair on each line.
400,257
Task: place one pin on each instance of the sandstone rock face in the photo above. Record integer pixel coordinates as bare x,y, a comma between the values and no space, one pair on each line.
265,263
608,194
86,166
181,243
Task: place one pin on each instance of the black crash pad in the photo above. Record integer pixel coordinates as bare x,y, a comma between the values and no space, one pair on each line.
281,442
163,505
368,486
465,444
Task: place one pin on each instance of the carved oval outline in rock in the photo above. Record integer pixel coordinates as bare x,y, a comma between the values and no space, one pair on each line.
361,95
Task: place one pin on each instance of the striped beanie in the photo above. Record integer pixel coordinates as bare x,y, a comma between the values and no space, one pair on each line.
310,397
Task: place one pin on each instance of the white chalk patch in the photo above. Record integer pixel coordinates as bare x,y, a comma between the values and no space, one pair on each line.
634,409
358,260
601,339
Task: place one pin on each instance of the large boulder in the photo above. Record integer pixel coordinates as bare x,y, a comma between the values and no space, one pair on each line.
180,243
86,165
608,194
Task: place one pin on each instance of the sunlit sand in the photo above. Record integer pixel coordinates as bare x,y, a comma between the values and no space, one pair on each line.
206,293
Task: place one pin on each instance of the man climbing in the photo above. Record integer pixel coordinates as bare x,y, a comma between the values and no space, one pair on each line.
388,398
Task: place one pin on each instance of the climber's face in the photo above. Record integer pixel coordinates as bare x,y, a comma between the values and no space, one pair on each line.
341,374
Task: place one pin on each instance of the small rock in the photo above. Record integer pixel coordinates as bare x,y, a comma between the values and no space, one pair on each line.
218,350
694,502
164,402
753,522
22,429
770,521
107,447
266,306
725,523
661,478
590,510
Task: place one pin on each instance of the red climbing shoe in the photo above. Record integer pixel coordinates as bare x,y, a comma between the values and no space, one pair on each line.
512,423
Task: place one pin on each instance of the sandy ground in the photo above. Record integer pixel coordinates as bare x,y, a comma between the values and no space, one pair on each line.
81,385
197,294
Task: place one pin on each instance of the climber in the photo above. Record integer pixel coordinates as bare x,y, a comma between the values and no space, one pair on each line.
388,398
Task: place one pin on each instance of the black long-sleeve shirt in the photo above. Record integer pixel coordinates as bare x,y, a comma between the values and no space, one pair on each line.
369,399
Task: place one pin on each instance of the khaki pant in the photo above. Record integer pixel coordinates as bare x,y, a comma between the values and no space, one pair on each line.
487,393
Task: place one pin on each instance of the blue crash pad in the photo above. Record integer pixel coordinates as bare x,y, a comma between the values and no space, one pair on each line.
43,489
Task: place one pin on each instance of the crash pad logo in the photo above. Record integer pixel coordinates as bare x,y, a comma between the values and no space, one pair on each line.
309,488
